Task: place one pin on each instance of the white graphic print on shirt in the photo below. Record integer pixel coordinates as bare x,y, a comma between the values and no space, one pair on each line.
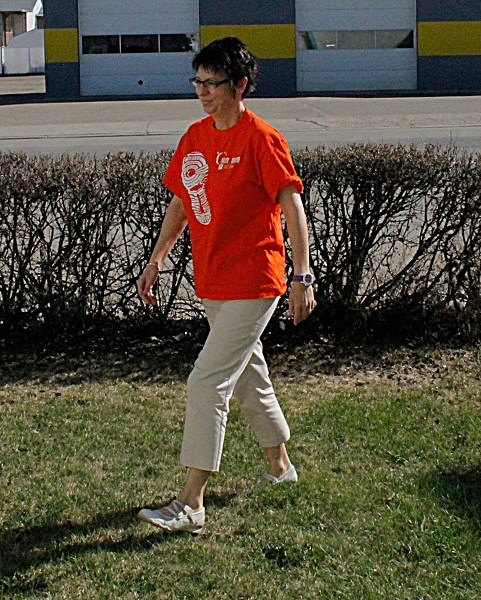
194,174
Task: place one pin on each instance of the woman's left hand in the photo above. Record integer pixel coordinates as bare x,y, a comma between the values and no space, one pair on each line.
301,302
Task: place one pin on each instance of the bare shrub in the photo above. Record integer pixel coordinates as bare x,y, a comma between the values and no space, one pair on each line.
392,228
395,233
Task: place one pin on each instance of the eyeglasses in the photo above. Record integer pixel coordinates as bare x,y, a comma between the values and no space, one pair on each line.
209,84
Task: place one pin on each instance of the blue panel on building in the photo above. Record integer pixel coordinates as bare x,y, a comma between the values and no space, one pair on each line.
277,78
449,73
248,12
63,80
449,10
60,13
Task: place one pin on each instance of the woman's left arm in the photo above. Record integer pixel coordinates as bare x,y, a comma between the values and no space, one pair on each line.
301,297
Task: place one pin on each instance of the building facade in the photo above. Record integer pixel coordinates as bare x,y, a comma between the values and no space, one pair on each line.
305,47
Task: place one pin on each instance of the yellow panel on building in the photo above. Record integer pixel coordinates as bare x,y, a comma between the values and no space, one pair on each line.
265,41
449,38
61,45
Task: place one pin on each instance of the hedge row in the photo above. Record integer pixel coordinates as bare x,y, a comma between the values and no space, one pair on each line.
394,231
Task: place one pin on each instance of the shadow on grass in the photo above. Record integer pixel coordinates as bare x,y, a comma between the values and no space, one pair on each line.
119,531
24,547
156,355
160,358
170,358
157,360
459,492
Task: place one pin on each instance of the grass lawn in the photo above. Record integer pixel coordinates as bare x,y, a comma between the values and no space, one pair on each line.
388,504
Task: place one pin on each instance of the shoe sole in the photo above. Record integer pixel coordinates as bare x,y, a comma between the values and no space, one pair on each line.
197,531
193,532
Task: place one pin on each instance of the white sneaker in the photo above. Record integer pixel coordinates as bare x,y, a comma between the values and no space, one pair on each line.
268,479
180,517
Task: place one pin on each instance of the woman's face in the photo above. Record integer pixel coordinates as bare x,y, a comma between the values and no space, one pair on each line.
218,102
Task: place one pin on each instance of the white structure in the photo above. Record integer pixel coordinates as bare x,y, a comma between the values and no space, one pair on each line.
25,53
17,18
33,14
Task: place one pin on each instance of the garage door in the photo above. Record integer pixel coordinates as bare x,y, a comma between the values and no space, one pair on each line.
351,45
137,47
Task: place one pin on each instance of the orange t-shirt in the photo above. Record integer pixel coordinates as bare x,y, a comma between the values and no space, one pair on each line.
228,181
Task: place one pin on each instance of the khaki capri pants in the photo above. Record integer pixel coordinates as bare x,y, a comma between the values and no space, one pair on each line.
231,362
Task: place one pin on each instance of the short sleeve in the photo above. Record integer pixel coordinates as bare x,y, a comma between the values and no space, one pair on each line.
277,167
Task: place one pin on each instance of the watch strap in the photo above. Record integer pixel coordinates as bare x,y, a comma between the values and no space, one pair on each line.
305,278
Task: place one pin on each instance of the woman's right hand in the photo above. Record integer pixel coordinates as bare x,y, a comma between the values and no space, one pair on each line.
145,283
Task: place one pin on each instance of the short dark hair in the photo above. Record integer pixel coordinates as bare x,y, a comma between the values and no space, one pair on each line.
231,56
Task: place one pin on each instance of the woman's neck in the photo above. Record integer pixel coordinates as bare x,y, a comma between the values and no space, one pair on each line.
228,121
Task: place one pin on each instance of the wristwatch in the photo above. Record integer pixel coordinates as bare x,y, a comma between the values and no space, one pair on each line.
306,278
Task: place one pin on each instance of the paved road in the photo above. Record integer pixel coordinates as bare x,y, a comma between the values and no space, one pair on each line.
109,126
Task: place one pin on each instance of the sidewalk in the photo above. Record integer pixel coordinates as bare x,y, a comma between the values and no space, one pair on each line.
22,84
36,125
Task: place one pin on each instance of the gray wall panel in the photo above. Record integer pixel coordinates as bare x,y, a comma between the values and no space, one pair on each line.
449,10
277,78
246,12
449,73
60,13
62,80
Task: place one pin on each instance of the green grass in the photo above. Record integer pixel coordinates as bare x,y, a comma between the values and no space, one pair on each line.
388,505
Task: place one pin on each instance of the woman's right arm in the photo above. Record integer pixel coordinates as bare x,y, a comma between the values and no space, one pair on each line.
173,225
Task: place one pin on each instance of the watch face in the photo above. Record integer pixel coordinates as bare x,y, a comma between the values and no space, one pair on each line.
308,279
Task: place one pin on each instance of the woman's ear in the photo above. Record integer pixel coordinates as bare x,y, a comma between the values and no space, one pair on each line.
241,85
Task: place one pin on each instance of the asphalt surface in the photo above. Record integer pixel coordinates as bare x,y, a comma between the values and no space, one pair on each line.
102,126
